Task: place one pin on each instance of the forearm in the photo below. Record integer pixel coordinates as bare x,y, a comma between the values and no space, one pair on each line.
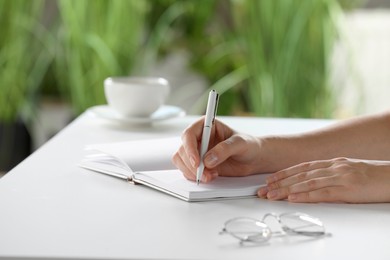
365,137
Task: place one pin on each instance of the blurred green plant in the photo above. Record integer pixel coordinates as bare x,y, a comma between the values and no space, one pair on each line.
274,59
23,59
288,49
96,39
268,58
201,28
23,64
173,25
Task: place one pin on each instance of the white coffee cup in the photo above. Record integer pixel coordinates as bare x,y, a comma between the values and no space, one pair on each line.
136,96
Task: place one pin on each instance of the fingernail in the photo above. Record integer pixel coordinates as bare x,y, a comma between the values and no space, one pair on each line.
270,179
263,191
192,161
211,176
214,174
211,160
272,186
272,194
292,197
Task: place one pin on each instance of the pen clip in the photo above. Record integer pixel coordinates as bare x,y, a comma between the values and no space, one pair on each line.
215,107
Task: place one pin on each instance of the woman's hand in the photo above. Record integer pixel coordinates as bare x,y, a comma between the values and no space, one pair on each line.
336,180
229,154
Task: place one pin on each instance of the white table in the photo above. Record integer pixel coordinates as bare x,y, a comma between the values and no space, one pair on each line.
51,208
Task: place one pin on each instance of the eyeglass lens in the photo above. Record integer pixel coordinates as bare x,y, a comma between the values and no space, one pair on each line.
248,229
253,230
302,224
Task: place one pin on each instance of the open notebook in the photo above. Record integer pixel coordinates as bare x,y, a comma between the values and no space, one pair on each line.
148,162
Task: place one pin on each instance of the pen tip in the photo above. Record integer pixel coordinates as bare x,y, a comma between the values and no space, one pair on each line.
197,182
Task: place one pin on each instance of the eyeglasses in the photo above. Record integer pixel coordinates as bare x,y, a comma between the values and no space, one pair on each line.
256,231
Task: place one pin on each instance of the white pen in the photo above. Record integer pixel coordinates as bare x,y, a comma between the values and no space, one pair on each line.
211,112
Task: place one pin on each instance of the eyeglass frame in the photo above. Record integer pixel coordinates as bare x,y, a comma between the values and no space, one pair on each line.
285,229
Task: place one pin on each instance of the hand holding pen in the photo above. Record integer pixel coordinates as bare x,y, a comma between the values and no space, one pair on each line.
228,152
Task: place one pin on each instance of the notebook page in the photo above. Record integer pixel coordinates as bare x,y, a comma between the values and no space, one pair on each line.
221,187
142,155
107,164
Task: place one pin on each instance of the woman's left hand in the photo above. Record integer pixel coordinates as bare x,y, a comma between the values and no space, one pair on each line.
335,180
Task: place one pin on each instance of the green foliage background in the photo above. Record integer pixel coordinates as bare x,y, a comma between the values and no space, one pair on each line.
23,61
267,58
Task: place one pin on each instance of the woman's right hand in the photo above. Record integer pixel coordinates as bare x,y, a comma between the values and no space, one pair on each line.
229,154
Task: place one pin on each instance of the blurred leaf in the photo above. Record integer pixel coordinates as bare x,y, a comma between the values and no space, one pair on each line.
97,41
22,63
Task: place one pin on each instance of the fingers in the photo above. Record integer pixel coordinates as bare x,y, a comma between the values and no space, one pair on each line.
303,187
220,153
233,156
187,157
188,170
307,182
300,168
190,143
227,155
328,194
299,177
192,136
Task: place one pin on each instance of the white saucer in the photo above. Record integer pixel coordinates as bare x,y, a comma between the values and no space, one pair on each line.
163,113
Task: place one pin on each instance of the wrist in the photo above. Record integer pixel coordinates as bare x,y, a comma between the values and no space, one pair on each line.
277,153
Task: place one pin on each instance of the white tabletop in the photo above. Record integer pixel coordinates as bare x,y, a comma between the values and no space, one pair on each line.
51,208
